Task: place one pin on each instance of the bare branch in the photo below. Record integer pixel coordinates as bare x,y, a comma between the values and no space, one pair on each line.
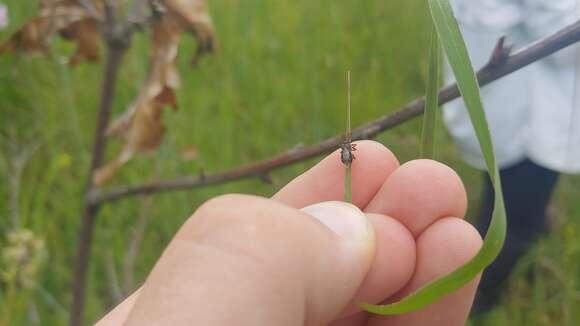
117,35
114,59
500,64
134,246
117,47
112,274
500,53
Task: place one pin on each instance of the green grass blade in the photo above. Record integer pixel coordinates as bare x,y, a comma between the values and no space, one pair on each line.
348,184
454,46
348,170
431,99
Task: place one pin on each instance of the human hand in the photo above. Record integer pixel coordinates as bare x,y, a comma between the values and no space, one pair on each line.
303,258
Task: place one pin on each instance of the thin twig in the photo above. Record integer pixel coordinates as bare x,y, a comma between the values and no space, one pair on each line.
500,65
115,290
116,48
85,236
13,165
117,35
500,53
134,246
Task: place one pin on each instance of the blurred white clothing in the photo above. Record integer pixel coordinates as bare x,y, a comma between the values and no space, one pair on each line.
533,113
3,16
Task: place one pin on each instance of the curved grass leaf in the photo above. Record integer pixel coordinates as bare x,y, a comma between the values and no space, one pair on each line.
431,99
454,46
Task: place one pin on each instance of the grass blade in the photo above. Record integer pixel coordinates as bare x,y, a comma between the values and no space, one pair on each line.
348,184
431,99
454,46
348,170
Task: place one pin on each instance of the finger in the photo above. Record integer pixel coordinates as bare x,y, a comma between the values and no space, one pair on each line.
393,265
358,319
441,248
419,193
325,181
392,268
243,260
119,314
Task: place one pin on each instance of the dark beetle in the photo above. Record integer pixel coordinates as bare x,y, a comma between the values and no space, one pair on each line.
346,155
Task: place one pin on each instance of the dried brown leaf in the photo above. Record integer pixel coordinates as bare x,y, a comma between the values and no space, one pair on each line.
57,16
30,38
142,127
194,17
86,34
144,135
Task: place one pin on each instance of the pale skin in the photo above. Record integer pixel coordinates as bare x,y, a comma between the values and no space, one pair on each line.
246,260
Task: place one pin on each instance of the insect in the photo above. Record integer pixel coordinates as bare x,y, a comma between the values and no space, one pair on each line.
346,149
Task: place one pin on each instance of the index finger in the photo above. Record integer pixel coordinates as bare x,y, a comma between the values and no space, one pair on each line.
325,181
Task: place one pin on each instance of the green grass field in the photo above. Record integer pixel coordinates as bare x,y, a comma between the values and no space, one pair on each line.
278,81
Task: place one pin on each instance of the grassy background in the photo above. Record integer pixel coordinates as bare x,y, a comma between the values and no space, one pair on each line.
277,82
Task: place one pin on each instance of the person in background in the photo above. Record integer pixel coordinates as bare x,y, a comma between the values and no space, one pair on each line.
3,16
533,118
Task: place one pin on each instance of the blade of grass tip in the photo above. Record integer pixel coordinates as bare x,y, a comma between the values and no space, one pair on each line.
454,46
348,128
348,172
431,99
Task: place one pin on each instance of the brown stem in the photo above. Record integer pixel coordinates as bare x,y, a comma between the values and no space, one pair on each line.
85,238
117,35
114,58
500,64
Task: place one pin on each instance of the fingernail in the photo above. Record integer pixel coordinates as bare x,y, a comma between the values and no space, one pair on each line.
344,219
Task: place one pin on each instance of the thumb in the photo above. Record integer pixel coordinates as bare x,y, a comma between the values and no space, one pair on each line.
345,262
243,260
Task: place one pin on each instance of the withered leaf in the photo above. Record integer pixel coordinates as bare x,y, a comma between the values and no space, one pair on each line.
141,127
144,135
65,17
86,34
194,17
30,38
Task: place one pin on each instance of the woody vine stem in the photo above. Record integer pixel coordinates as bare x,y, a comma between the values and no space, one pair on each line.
117,38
